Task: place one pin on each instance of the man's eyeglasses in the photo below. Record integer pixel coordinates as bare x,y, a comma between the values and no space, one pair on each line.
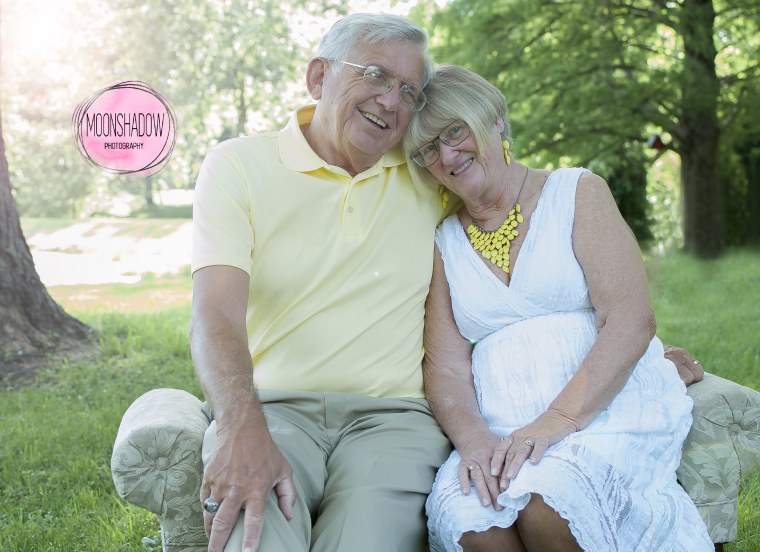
383,80
452,135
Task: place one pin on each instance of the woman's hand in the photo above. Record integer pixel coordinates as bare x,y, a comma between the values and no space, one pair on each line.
475,468
531,442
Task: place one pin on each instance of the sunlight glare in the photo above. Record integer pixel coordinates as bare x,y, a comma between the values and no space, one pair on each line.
36,28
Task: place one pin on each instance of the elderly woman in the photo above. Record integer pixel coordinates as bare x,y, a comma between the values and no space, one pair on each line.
542,364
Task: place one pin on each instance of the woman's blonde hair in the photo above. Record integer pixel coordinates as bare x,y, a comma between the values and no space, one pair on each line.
455,93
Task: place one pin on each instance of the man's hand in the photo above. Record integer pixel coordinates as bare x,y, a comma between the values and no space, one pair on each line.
689,370
245,465
244,468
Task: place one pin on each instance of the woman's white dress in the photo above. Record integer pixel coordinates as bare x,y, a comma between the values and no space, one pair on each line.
614,480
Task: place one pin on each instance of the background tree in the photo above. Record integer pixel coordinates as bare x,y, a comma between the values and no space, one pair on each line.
30,321
592,81
227,67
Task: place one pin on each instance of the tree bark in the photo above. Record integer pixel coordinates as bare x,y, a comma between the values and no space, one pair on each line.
700,172
30,321
148,191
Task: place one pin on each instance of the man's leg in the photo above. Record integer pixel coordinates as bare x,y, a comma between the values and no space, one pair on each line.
295,423
386,453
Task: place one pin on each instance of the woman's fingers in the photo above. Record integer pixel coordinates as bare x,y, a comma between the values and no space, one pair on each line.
538,450
516,456
500,455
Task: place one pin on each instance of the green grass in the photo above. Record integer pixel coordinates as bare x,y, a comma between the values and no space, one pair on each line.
163,211
57,435
32,226
153,292
138,228
713,309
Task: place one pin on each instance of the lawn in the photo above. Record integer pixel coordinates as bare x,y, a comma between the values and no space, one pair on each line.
57,434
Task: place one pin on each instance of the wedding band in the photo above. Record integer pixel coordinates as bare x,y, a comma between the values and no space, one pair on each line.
529,442
695,362
211,506
472,467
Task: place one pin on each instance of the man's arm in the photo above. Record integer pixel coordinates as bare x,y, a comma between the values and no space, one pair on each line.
246,464
689,370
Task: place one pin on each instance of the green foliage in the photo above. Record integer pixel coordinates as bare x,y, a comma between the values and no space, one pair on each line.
227,67
588,80
626,176
664,196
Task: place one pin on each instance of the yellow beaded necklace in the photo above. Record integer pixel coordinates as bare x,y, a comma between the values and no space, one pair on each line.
494,245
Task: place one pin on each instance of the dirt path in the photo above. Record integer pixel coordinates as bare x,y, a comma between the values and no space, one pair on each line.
116,264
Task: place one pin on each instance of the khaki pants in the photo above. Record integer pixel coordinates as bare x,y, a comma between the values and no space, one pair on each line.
363,467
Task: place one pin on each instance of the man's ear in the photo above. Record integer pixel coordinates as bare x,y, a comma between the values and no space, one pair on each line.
315,77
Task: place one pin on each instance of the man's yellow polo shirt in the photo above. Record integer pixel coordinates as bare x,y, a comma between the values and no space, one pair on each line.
339,267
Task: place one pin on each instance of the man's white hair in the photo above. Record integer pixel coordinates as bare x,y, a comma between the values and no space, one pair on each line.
360,30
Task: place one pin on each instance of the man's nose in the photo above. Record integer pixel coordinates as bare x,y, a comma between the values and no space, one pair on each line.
391,98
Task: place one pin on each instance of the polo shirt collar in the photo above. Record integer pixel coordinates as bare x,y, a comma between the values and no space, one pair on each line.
297,155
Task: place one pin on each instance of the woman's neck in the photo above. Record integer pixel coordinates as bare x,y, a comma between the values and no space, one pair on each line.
490,209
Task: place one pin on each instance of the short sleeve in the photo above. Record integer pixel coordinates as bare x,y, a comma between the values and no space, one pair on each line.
222,224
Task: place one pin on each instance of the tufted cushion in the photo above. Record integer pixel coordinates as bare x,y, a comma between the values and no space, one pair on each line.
156,463
723,446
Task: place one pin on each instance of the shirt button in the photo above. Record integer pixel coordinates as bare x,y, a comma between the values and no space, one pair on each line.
350,209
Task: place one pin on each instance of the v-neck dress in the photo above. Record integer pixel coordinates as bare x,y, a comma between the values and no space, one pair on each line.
614,480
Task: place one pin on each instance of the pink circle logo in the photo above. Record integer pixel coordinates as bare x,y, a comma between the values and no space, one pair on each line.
127,128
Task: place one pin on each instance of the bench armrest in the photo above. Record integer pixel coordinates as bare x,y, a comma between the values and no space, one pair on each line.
723,446
156,463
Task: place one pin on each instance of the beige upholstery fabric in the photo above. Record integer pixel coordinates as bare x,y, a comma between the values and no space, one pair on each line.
723,446
156,460
156,464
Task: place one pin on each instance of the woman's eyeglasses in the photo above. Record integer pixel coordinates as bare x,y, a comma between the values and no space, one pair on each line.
453,135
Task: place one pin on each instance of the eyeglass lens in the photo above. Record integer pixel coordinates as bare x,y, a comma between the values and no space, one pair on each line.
452,135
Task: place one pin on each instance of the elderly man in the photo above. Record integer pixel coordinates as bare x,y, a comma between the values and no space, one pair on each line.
311,265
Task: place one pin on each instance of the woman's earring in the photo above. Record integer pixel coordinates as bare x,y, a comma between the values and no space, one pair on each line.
444,193
505,144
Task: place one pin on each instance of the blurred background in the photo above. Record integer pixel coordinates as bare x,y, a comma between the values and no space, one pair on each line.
660,97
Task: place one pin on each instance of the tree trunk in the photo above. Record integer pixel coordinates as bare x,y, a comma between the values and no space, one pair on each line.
30,321
751,161
148,191
242,109
700,174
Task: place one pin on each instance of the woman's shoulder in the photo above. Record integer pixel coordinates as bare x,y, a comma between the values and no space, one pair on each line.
448,227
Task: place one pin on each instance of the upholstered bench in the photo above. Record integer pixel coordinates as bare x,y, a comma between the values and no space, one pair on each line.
156,462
